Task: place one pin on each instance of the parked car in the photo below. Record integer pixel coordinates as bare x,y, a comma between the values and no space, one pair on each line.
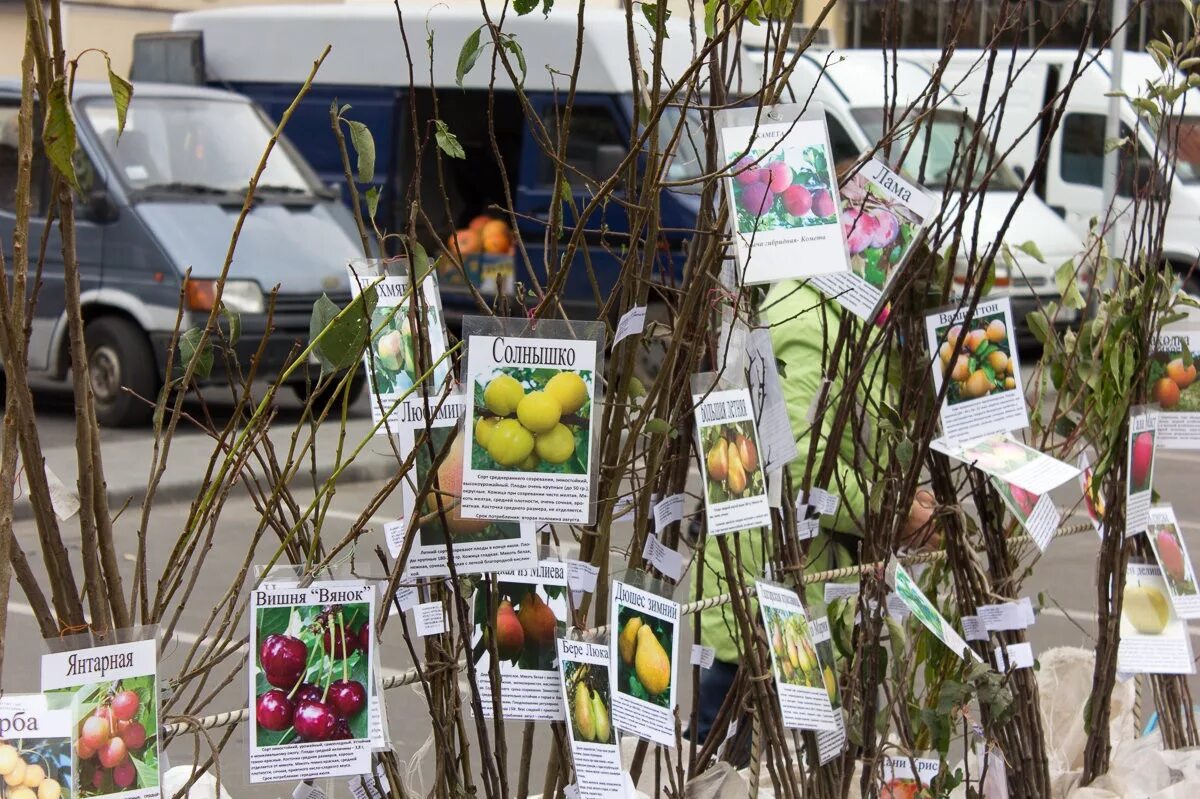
154,220
368,69
1071,181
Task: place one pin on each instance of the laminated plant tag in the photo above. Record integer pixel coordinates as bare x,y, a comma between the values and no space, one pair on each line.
806,691
42,737
1154,640
1092,500
477,544
915,600
883,217
391,363
585,694
530,615
1170,550
1004,457
1139,472
1037,514
95,685
899,778
781,187
980,361
766,389
735,496
642,662
1172,375
311,679
533,409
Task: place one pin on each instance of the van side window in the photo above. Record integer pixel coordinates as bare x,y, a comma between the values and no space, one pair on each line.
1083,155
593,134
839,139
8,164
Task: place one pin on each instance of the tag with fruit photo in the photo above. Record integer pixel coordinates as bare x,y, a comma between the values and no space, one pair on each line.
735,487
1171,378
782,193
883,216
1154,640
977,361
900,781
1007,459
806,684
1037,513
311,679
113,721
36,753
585,695
522,620
533,406
391,362
478,545
645,649
1170,550
1139,469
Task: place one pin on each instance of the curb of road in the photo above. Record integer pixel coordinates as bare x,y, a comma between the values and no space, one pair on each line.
362,470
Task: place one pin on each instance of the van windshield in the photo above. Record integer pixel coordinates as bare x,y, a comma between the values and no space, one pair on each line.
687,156
193,145
940,139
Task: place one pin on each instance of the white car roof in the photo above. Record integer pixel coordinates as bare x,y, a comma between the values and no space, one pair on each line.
865,77
278,44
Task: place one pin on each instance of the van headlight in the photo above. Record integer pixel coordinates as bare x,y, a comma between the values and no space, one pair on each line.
243,296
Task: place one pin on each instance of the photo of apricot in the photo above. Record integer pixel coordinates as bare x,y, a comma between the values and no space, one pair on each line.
979,360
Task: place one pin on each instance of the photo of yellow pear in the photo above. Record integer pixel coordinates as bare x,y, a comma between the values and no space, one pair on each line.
600,719
650,663
628,640
584,721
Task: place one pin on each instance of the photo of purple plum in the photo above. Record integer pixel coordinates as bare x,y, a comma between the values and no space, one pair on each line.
879,229
783,188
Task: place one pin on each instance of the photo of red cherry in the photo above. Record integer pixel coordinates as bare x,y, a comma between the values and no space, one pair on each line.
311,674
116,743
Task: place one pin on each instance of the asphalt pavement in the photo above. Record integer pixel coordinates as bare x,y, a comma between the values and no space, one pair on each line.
1064,576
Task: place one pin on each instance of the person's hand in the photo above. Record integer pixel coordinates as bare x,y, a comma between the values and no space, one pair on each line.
919,531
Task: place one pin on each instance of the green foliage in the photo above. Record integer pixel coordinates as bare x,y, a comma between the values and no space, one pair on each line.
122,92
470,52
193,346
58,134
447,142
364,146
343,335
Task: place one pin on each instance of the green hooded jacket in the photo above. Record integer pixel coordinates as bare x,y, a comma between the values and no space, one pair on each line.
801,318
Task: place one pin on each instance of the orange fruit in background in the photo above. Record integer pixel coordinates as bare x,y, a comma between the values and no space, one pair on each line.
1166,392
464,242
961,369
478,222
998,361
1182,376
496,236
975,338
899,789
977,384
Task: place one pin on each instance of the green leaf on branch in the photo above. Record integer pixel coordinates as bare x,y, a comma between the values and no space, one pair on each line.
511,45
364,147
1031,249
1068,286
343,336
233,319
447,142
122,92
58,134
710,17
190,349
471,49
372,199
658,427
650,11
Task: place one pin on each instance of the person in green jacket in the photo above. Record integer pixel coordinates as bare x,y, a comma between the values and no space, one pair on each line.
802,321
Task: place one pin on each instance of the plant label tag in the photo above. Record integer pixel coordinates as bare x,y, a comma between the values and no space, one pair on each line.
582,576
883,217
978,363
1037,514
662,557
1139,474
1002,617
391,362
1015,656
782,193
321,634
1170,550
370,786
825,503
900,779
805,680
896,607
642,660
1172,375
667,512
478,545
585,683
632,323
766,388
1154,640
807,528
571,792
974,629
307,790
1004,457
42,736
429,618
1093,502
730,467
840,590
531,417
703,656
530,615
911,595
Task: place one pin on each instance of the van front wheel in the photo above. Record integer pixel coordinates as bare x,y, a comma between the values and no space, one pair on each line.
121,371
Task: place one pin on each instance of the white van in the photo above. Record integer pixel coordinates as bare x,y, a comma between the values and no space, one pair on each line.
1071,182
850,84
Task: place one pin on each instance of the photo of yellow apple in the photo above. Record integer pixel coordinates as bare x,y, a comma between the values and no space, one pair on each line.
1146,608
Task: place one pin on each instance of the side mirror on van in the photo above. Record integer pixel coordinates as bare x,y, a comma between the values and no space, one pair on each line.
1019,171
100,208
